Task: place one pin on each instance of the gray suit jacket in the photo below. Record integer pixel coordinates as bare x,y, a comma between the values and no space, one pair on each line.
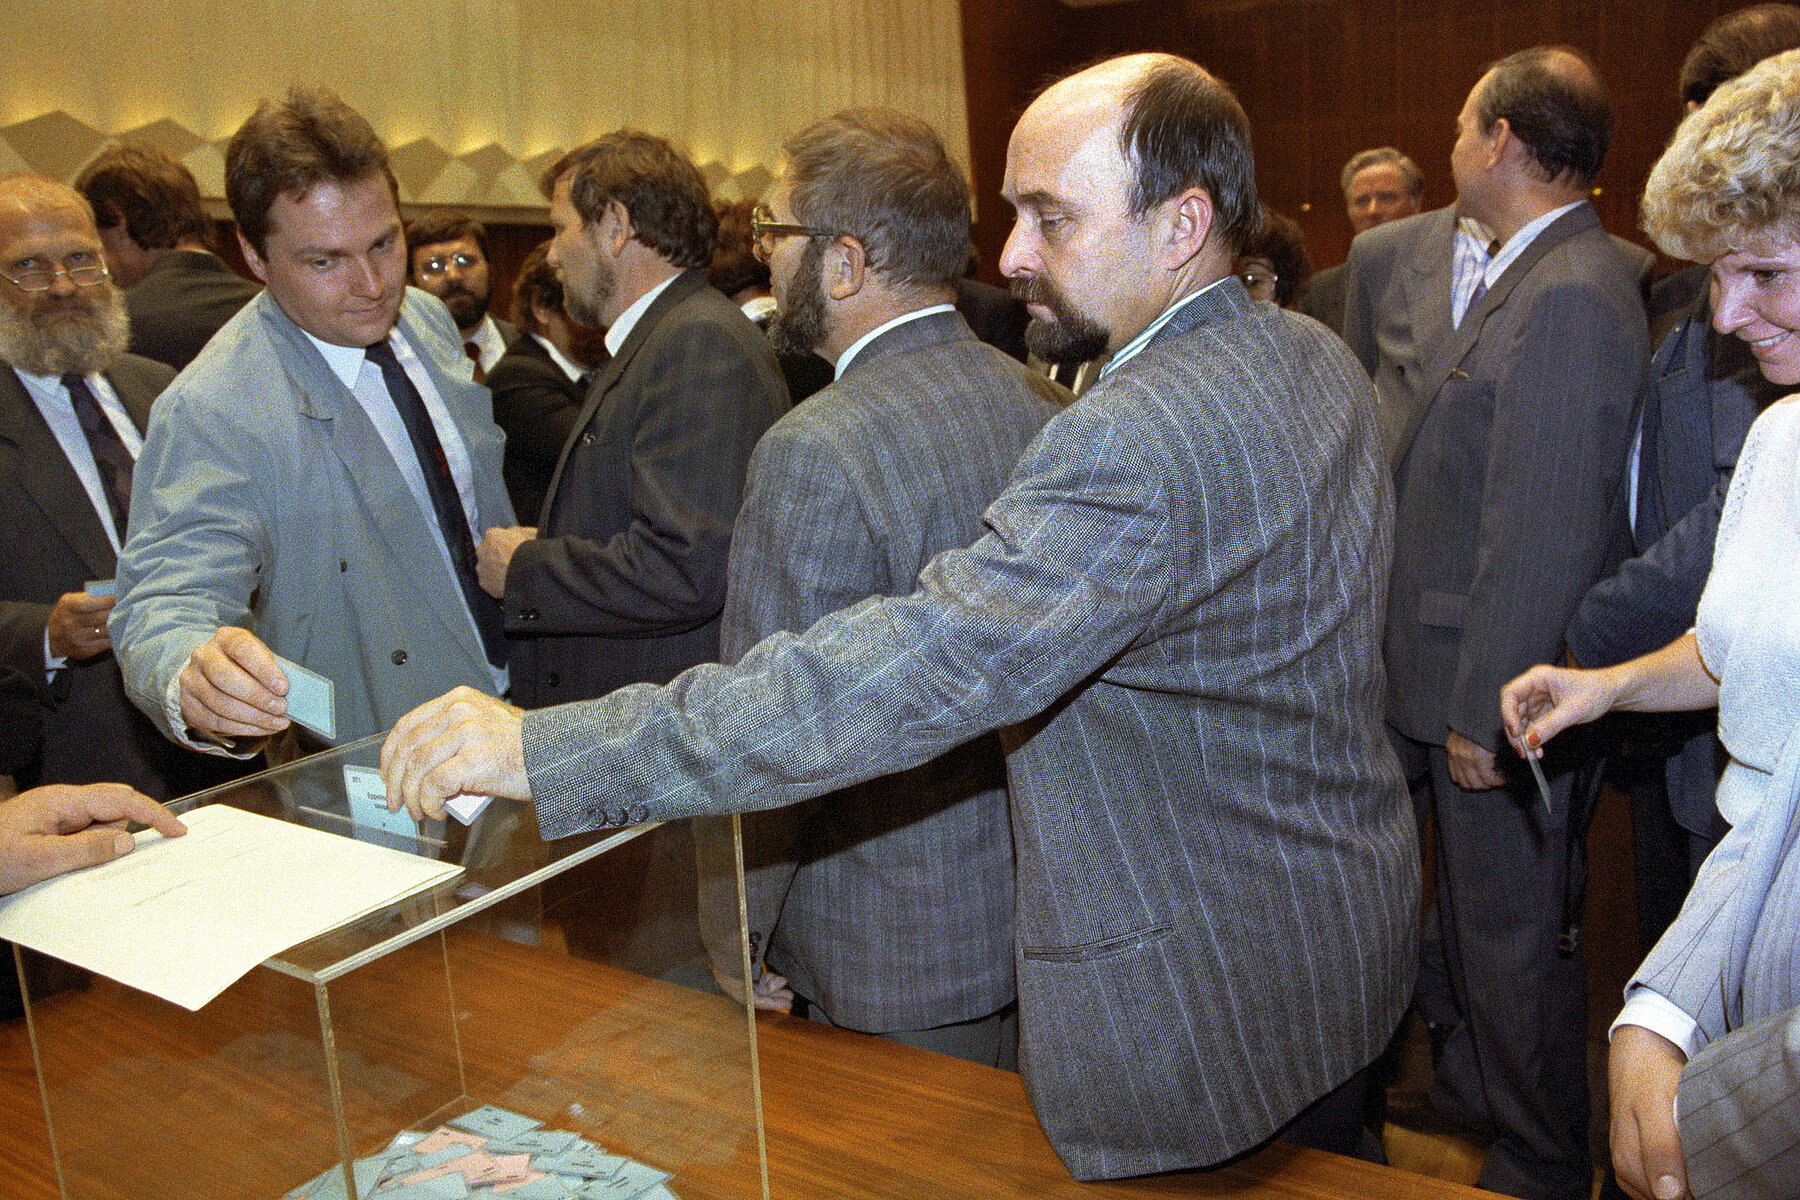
185,298
1508,437
1177,610
889,904
626,579
266,498
1740,1113
52,542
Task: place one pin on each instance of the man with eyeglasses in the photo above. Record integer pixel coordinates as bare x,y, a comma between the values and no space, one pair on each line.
73,406
448,256
887,908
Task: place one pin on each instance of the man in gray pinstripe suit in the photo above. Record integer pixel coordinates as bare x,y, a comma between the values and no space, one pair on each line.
887,907
1174,615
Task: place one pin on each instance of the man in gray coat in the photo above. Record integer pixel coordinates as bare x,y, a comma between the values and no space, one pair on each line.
888,907
313,485
1507,380
1174,614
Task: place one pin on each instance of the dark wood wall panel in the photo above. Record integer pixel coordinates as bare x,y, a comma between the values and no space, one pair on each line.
1322,79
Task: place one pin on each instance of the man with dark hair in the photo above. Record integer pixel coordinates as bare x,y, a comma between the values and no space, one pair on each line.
886,908
1380,185
1174,614
313,485
1507,340
625,579
447,254
538,385
158,247
1733,44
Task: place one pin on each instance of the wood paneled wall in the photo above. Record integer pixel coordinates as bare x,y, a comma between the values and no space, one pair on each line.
1322,79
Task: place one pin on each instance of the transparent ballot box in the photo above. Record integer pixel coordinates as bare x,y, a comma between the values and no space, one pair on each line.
311,1074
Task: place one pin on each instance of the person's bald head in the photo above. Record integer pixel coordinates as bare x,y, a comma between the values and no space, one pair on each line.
1554,102
1134,188
1173,125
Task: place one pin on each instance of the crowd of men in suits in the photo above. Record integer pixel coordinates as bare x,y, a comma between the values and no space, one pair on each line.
1076,735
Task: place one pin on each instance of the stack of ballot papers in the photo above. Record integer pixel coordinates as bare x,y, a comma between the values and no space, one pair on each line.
492,1152
184,918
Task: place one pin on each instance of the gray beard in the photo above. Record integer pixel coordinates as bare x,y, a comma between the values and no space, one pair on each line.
49,342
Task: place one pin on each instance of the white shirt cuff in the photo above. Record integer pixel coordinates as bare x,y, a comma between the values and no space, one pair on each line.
178,724
52,664
1660,1015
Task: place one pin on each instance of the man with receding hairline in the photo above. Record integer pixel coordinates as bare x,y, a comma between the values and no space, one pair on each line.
1506,336
1173,617
1380,185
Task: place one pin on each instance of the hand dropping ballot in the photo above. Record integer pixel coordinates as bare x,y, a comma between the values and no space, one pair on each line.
311,699
368,804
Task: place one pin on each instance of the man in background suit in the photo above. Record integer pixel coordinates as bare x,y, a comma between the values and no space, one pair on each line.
538,385
1507,382
65,490
625,579
888,908
314,484
1175,615
178,293
447,255
1380,185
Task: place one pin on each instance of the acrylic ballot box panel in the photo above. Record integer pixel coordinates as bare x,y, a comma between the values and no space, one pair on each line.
397,1023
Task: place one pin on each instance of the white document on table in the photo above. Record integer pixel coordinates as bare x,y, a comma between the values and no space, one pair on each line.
184,918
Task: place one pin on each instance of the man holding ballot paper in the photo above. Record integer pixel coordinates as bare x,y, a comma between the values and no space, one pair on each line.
313,486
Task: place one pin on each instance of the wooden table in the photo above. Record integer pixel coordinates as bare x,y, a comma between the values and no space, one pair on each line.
847,1116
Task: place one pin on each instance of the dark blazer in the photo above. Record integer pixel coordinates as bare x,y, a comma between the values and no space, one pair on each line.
535,405
626,579
1218,871
185,298
52,542
1324,299
1704,391
890,904
1507,462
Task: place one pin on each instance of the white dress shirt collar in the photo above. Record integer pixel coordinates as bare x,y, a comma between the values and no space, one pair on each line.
849,356
1132,348
567,366
621,328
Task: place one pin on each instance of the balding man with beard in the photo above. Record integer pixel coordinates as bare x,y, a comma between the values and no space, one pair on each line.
1175,617
73,405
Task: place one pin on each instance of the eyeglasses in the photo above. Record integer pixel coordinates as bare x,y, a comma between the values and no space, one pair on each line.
764,229
42,279
437,264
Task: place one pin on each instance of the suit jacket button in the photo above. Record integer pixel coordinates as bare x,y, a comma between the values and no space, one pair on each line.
398,658
551,679
528,614
621,817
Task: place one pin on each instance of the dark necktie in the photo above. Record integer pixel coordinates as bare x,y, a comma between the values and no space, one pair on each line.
110,455
453,523
474,353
